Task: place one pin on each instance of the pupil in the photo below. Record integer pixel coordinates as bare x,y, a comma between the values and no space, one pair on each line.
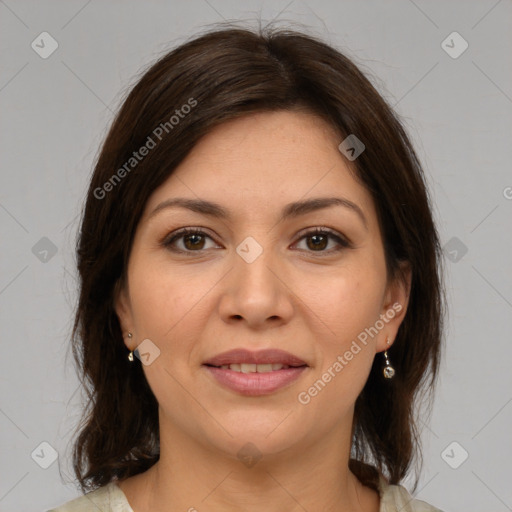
317,237
194,243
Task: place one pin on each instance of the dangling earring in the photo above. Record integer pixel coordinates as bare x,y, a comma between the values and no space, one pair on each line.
388,370
130,355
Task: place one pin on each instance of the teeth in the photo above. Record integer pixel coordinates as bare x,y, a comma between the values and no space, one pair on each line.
247,368
253,368
263,368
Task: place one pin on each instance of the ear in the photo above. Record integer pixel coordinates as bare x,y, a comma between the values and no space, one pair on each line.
123,310
395,305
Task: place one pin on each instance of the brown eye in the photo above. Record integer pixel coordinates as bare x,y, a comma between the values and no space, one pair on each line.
193,240
318,239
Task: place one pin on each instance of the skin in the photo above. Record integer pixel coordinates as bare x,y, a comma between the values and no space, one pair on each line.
312,302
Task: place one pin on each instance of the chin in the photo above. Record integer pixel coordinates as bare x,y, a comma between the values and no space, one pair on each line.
256,434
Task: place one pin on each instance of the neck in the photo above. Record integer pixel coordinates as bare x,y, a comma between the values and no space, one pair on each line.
193,477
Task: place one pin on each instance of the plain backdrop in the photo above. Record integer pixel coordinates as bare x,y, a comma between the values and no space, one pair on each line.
456,103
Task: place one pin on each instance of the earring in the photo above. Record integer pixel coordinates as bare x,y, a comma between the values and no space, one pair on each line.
130,355
388,370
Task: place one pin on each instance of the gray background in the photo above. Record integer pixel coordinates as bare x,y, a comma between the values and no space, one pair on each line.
55,113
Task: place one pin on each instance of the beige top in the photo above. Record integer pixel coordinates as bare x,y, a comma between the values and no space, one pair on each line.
110,498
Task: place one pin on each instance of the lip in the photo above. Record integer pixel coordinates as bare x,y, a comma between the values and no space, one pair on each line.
255,384
242,355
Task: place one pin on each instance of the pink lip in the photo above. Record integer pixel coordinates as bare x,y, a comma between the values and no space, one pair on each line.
241,355
255,384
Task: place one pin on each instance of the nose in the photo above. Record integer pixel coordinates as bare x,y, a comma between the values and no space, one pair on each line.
256,289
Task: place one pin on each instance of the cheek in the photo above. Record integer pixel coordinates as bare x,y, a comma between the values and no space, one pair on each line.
351,304
347,301
162,297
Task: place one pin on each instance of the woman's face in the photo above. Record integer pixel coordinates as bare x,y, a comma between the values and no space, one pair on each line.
258,279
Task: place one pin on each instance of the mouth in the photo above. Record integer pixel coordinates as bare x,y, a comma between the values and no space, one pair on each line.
255,373
255,368
249,361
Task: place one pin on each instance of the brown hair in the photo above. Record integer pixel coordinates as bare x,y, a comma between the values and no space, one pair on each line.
224,74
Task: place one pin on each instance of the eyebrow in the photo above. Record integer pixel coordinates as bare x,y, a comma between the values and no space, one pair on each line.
291,210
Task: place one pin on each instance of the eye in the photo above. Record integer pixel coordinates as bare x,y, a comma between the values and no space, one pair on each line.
193,240
319,240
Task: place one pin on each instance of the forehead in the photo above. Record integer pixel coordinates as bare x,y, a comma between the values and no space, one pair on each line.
261,161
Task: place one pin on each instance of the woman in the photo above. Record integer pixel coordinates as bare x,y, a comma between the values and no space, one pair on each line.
258,233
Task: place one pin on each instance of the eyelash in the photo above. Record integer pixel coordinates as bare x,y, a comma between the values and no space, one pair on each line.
343,242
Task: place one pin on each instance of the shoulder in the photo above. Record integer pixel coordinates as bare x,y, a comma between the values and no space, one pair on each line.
108,498
395,498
